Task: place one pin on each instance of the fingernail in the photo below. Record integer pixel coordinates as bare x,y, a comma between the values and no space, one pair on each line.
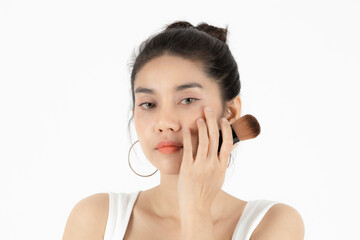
208,109
200,120
224,120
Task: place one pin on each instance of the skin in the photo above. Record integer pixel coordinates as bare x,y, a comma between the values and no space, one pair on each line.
165,114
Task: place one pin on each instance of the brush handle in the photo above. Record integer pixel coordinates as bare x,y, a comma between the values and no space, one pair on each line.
235,138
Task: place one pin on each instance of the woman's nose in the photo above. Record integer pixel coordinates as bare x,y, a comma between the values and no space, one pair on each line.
167,120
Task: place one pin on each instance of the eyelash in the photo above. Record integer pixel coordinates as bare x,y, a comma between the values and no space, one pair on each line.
195,99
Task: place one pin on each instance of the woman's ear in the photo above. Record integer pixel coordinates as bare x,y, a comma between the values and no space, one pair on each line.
233,109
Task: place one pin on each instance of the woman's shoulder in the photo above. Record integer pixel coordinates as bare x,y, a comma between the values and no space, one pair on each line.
280,220
94,204
97,201
88,218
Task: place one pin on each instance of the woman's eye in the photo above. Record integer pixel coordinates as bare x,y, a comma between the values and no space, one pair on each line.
149,105
146,104
193,100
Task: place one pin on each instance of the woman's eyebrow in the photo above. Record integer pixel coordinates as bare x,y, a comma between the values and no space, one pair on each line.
177,88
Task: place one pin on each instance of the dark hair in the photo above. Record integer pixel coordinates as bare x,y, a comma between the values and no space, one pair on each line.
205,44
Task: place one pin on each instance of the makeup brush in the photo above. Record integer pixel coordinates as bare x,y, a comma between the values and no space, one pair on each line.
246,127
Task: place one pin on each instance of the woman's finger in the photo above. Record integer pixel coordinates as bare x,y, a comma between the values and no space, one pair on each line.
227,143
203,140
213,130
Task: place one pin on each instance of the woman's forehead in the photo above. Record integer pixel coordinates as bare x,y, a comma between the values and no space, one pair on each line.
170,67
176,88
173,73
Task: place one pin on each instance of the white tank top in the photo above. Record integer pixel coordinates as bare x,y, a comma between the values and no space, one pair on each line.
121,205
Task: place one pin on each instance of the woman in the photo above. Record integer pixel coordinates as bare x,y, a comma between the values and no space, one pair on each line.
185,85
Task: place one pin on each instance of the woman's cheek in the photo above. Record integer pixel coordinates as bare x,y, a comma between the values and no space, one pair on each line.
197,112
191,123
143,114
141,120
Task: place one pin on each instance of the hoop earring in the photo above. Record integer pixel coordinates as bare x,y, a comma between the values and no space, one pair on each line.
133,169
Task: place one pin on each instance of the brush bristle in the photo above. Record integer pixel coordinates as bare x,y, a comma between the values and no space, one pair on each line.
254,126
247,127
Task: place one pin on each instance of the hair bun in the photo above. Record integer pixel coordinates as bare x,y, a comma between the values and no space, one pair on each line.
219,33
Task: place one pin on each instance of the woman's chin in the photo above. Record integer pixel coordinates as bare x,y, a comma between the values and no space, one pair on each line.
170,166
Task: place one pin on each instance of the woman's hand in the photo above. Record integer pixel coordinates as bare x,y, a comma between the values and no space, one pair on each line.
200,179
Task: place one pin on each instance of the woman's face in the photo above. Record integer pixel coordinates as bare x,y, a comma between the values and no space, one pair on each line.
170,95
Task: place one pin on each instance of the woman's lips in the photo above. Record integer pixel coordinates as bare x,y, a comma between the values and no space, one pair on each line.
168,149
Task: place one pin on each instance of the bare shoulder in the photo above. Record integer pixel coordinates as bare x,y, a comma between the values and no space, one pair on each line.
88,218
280,222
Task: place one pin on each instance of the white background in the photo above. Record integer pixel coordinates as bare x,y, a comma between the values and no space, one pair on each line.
65,98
